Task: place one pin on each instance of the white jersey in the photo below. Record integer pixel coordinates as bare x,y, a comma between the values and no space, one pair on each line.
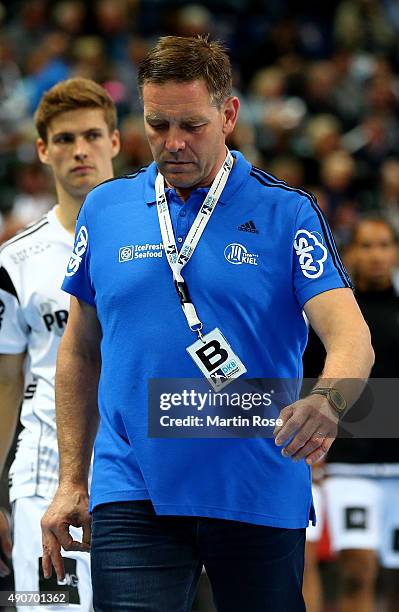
33,315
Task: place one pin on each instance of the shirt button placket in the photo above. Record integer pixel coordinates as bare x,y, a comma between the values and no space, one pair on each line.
182,225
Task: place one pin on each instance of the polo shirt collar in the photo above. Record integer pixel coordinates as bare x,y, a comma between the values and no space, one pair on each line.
238,174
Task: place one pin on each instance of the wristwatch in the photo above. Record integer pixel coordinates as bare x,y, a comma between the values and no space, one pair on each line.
336,400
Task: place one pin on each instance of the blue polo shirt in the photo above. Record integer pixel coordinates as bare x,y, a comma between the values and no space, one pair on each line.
265,252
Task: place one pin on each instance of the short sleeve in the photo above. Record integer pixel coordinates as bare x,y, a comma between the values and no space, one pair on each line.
13,328
317,264
77,280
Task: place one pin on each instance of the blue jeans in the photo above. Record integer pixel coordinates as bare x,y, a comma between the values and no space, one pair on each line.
150,563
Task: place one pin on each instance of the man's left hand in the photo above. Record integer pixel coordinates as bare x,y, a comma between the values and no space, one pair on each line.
310,426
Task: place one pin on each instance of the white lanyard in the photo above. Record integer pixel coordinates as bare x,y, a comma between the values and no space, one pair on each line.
176,260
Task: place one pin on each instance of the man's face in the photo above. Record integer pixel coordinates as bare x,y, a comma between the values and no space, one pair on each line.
79,150
186,132
374,254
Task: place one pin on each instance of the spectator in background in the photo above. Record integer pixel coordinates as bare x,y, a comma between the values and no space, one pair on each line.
320,83
348,92
89,58
14,105
383,194
375,138
362,24
113,18
46,65
244,139
289,169
69,17
362,483
193,20
337,174
322,136
135,152
28,27
125,73
388,197
275,113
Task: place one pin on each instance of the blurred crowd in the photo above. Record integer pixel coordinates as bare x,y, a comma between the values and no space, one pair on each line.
318,82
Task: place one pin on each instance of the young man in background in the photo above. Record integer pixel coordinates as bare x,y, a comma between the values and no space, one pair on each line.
76,122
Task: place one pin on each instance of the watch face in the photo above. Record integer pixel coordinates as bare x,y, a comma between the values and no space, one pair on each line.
338,400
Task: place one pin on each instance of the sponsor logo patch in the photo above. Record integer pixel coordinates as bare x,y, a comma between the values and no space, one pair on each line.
238,254
81,242
163,203
248,226
218,375
207,206
311,253
185,254
132,252
355,518
126,253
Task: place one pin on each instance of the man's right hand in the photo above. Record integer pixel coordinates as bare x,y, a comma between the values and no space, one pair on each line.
5,541
69,507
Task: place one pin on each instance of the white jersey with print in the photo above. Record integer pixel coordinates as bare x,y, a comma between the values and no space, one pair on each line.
33,315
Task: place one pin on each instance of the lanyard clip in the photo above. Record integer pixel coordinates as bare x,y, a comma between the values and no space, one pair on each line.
182,292
198,329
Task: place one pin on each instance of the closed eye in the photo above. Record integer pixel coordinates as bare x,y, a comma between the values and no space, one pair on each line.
158,126
193,128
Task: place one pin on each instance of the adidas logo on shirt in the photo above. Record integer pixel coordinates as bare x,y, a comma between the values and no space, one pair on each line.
249,226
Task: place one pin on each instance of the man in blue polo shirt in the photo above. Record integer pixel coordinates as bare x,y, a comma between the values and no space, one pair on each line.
197,262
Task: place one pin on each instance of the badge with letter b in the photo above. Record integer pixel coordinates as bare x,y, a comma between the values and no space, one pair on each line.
216,359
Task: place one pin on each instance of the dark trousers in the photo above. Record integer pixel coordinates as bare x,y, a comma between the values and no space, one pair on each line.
150,563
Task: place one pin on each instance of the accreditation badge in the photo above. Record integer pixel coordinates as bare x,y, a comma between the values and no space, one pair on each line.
216,359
